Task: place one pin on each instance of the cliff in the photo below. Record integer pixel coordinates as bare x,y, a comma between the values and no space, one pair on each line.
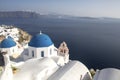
18,14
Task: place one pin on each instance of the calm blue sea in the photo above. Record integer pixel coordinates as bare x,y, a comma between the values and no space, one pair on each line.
96,43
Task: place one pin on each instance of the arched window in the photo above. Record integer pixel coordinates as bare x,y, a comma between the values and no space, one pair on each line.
13,50
42,53
33,54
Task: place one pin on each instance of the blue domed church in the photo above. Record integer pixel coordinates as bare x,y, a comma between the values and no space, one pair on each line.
8,45
44,61
41,46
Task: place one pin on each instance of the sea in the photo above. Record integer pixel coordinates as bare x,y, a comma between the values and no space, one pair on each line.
96,43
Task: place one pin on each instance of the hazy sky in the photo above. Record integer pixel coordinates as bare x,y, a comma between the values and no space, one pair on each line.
92,8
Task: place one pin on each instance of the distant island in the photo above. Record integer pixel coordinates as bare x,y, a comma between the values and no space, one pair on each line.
31,14
18,14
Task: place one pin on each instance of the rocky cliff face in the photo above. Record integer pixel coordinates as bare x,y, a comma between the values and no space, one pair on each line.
24,36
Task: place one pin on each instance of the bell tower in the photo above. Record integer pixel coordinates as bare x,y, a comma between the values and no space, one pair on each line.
64,51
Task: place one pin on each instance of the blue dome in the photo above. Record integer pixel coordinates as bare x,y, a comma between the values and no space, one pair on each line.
7,43
40,40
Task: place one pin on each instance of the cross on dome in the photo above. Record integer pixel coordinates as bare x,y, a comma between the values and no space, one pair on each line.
40,32
6,37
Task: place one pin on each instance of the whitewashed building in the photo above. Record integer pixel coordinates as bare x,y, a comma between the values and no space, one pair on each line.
45,62
107,74
8,45
41,46
9,31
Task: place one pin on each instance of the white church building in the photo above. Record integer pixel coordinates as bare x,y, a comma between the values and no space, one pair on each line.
41,46
42,61
8,45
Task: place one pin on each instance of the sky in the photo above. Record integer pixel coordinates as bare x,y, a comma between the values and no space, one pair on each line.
84,8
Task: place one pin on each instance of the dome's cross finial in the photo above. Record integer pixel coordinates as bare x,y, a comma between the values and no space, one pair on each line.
6,37
40,32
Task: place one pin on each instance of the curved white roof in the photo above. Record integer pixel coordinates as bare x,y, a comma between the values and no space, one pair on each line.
107,74
72,71
32,68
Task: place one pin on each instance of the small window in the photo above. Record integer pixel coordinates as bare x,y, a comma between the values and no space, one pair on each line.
50,51
32,53
13,50
42,53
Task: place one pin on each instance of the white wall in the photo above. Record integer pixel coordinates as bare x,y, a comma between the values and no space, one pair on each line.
48,51
11,50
